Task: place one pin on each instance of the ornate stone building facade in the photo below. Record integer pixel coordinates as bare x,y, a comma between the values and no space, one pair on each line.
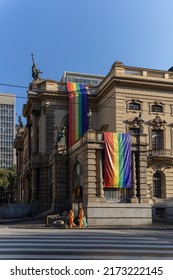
53,176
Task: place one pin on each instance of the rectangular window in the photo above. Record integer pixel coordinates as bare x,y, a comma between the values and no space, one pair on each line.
134,106
157,140
157,108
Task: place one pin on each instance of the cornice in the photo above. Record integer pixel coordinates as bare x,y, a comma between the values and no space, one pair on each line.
135,82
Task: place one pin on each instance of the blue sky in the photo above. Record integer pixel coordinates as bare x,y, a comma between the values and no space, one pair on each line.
81,35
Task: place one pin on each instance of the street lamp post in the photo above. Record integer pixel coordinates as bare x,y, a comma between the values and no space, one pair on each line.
138,155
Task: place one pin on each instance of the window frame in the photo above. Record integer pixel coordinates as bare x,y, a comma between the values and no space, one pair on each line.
157,185
137,105
156,106
159,144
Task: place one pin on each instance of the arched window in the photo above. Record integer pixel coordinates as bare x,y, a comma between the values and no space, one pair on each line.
77,169
157,185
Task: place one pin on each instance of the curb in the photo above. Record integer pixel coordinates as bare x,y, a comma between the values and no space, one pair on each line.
34,226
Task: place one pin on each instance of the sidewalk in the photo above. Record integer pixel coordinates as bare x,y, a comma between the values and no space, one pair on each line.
30,223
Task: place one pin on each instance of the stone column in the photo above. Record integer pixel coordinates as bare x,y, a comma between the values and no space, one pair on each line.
53,203
34,128
34,185
60,178
100,190
89,194
134,198
28,140
144,197
17,161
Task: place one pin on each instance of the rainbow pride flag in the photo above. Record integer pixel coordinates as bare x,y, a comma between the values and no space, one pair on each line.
78,108
118,160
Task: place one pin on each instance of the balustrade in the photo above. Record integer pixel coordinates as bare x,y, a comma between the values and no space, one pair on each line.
132,71
160,153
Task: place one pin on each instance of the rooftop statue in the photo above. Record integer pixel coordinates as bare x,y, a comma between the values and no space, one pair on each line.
20,121
35,71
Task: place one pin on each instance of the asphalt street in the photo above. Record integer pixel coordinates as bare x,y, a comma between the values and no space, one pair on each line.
22,241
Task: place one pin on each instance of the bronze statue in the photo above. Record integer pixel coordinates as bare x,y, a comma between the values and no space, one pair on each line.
89,114
60,133
35,72
20,121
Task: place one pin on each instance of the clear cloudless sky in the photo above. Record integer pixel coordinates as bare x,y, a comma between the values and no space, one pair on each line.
81,35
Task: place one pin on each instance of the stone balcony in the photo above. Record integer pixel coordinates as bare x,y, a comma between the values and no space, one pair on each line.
90,136
161,155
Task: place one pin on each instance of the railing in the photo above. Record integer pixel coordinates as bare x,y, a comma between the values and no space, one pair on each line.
147,73
160,153
133,72
117,195
155,74
121,70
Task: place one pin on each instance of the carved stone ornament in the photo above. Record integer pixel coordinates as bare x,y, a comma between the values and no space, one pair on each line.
135,101
157,123
103,128
157,103
135,123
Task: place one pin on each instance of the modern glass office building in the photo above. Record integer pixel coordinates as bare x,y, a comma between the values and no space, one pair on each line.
87,79
7,128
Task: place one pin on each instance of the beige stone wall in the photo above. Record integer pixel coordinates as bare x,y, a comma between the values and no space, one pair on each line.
106,110
115,113
169,184
147,98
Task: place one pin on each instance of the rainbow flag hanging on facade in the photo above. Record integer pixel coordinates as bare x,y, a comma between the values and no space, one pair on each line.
118,160
78,108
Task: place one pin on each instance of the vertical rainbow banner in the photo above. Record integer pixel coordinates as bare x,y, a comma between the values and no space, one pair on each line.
78,108
118,160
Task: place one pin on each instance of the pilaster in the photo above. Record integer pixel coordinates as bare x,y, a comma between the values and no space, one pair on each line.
59,162
34,131
134,198
28,139
89,173
142,170
34,185
99,174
